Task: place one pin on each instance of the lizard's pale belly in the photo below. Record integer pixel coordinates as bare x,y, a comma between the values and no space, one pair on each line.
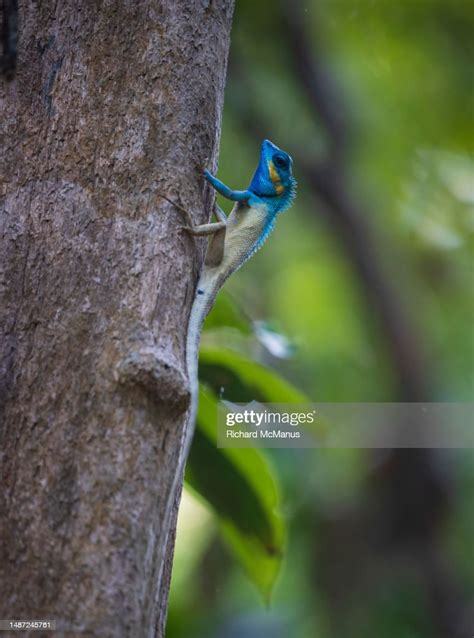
244,231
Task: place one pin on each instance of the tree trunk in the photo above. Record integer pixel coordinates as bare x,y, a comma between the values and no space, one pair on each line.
111,106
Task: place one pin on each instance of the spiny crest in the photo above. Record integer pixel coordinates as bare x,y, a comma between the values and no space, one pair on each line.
263,237
282,205
290,194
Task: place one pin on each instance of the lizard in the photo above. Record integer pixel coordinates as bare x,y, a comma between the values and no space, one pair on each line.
232,241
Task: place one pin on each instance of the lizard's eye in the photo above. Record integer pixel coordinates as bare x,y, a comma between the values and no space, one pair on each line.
280,161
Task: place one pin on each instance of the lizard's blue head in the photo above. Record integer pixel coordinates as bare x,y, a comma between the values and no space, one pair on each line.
273,177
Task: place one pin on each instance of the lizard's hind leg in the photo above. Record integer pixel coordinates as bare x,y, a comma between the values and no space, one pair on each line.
215,250
200,229
212,228
187,214
219,213
217,230
205,229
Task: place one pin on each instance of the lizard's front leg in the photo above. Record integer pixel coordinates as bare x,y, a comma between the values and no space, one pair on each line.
225,191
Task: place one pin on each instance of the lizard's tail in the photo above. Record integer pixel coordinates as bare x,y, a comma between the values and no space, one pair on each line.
206,292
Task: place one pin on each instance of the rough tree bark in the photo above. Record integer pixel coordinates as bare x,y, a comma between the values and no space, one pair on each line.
112,104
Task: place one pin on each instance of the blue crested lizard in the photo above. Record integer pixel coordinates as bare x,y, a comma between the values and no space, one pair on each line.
233,240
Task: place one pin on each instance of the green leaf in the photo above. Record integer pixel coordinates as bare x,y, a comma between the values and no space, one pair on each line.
242,489
226,313
247,379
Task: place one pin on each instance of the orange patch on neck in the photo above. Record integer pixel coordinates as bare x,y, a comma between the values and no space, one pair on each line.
275,178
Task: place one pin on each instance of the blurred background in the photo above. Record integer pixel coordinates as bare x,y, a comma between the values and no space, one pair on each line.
364,293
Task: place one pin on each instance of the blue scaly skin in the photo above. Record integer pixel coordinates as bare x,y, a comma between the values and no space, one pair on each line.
233,240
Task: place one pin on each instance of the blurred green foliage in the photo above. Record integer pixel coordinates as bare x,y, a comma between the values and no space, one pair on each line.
240,487
405,75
